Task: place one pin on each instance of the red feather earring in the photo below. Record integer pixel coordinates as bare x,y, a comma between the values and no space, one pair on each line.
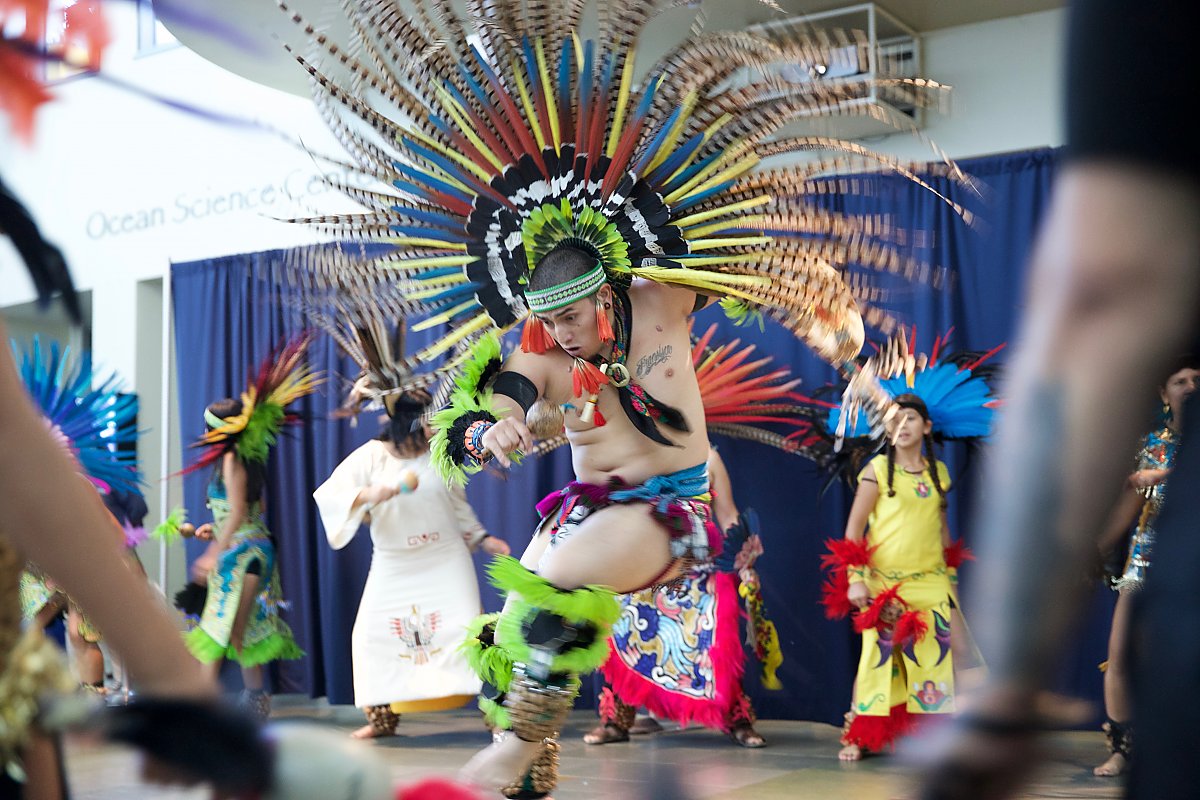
603,326
534,336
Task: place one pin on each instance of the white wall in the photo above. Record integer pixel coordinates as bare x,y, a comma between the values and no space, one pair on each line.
1007,87
125,186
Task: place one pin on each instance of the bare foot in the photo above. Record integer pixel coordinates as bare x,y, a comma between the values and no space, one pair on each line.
1114,766
606,733
369,732
645,725
850,752
500,764
745,735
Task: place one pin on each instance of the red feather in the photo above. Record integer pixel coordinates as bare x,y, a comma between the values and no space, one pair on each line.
911,626
833,595
869,616
586,377
846,553
20,92
87,29
956,553
534,337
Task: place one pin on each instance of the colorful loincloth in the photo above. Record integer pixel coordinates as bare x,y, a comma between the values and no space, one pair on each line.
679,502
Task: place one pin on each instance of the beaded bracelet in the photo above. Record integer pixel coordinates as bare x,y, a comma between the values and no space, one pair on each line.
473,438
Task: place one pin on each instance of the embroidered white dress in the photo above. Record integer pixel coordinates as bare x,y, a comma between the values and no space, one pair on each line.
421,591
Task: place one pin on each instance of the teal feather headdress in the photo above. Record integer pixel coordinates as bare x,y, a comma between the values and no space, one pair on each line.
96,421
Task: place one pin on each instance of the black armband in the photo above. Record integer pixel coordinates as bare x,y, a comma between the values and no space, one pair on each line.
516,386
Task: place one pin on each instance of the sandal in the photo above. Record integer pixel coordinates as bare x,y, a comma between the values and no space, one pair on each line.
606,733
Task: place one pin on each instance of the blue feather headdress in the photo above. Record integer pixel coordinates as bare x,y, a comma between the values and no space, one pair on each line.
955,387
95,422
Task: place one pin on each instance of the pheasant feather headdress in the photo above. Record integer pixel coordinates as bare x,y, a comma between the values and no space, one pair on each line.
497,137
93,418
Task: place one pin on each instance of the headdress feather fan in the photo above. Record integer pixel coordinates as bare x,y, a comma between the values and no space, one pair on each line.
501,134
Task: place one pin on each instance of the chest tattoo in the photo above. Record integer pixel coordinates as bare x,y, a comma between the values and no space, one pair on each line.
647,363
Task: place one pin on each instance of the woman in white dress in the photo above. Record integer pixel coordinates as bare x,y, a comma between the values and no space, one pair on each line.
421,591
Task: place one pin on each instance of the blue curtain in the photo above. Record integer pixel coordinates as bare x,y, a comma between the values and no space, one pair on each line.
228,314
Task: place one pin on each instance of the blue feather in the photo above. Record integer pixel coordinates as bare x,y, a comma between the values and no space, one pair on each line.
658,140
431,217
433,183
687,174
702,196
427,233
956,399
438,160
96,419
676,159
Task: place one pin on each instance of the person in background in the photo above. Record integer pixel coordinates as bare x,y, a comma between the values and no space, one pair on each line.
1139,507
421,590
241,620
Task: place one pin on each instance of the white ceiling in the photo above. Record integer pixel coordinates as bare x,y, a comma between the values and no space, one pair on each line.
931,15
262,21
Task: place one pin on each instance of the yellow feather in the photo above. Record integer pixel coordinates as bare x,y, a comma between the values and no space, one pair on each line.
732,208
731,153
415,241
696,245
476,324
527,104
455,110
747,221
738,169
548,91
445,316
431,262
614,135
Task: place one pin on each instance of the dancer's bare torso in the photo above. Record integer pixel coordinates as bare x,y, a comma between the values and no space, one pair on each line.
660,360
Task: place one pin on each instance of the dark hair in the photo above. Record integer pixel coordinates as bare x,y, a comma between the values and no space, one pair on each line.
1180,362
256,474
564,263
226,407
404,428
914,402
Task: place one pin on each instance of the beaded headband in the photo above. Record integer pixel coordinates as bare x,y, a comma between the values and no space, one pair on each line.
566,293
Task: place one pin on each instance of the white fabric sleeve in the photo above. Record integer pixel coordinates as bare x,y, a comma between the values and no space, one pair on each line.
335,498
472,529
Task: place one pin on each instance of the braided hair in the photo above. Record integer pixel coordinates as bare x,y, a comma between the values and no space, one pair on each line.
914,402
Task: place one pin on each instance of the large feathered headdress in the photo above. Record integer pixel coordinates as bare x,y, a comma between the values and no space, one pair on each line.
283,377
496,138
93,418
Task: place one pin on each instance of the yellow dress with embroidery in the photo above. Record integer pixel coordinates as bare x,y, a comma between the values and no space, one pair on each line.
906,531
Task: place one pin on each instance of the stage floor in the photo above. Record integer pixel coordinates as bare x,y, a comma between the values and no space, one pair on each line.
799,763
